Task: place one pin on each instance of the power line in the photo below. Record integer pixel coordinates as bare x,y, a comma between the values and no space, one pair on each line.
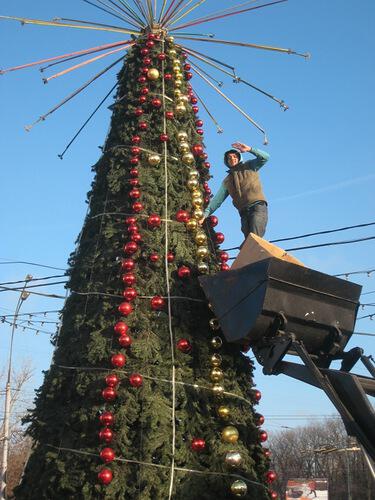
368,272
333,243
31,264
37,330
50,295
34,279
33,286
37,313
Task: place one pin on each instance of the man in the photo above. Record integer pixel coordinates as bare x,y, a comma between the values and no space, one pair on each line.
243,185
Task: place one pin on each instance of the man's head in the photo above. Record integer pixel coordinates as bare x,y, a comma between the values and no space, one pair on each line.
232,158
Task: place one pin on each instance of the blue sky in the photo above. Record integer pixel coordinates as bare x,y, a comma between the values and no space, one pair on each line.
321,173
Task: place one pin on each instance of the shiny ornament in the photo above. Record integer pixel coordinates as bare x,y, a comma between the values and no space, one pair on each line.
202,268
136,380
198,214
106,435
193,174
156,102
239,488
193,100
164,137
192,183
216,342
125,341
224,257
153,160
195,109
130,294
125,308
168,76
172,52
187,67
184,99
213,220
134,194
128,279
188,159
188,75
233,458
118,360
130,220
184,272
257,395
271,476
216,360
197,202
154,257
263,436
169,115
112,380
130,248
142,79
200,131
134,182
200,238
135,150
135,139
146,61
170,40
107,418
144,91
217,390
184,346
157,303
144,52
214,324
223,412
162,56
219,237
182,216
199,123
153,74
150,44
142,126
138,111
177,92
121,328
216,375
137,207
202,252
224,267
197,149
207,164
107,455
142,99
105,476
182,136
184,148
180,109
230,434
198,444
109,394
134,172
154,221
170,257
192,224
259,419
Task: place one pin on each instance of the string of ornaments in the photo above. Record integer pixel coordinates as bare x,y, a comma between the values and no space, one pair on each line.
193,157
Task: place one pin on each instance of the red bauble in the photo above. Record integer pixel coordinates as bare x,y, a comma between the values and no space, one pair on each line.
106,435
107,418
263,436
170,257
188,75
207,200
142,79
184,272
125,308
128,264
157,303
134,182
207,164
107,455
130,248
105,476
162,56
223,256
271,476
134,160
206,188
130,294
121,328
144,70
164,137
193,99
273,495
257,395
125,341
195,109
146,61
224,266
187,67
182,216
128,279
156,102
267,453
144,52
259,419
136,237
203,156
136,380
219,237
197,149
134,172
169,115
184,346
144,91
138,111
142,98
168,76
135,139
154,257
200,131
118,360
199,123
150,44
154,221
151,36
142,126
198,444
109,394
137,207
184,55
112,380
135,150
213,220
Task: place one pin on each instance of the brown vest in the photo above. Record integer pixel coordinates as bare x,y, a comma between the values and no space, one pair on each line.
244,187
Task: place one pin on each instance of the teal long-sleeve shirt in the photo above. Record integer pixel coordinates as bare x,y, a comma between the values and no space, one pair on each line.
261,157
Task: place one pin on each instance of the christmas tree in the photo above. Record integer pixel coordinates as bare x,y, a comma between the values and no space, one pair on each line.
144,399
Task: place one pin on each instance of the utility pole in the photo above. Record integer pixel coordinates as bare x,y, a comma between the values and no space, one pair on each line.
8,397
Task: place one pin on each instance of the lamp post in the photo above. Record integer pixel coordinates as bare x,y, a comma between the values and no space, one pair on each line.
5,438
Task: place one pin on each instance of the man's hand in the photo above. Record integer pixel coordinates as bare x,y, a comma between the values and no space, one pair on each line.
244,148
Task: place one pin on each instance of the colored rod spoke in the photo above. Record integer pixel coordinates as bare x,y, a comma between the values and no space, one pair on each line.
117,16
131,12
216,123
126,12
173,11
184,14
141,9
94,24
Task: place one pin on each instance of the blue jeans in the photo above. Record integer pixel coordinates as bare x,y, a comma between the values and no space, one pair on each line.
254,219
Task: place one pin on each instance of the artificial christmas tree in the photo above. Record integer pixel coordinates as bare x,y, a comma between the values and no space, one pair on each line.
144,399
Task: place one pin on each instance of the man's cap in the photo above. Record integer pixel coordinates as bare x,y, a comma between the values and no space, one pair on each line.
231,151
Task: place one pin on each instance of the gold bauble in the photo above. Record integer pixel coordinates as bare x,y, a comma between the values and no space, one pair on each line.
182,136
216,375
179,79
154,160
198,214
177,92
230,434
217,389
194,174
216,342
176,60
153,74
192,224
202,268
233,458
184,147
192,183
202,252
214,324
216,360
197,203
223,412
170,39
184,98
200,238
178,84
196,193
188,159
180,109
172,52
239,488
